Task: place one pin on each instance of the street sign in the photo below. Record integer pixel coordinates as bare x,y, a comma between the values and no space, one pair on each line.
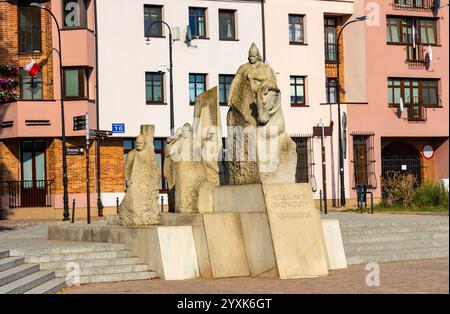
428,151
118,128
99,134
317,131
79,123
72,151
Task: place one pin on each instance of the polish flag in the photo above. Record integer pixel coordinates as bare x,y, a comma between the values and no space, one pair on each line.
32,68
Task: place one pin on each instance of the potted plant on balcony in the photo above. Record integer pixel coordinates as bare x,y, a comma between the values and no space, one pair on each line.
9,82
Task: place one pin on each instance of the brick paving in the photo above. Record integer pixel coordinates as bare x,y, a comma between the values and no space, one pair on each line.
424,276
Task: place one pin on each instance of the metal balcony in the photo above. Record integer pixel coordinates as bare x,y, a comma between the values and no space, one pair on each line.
414,5
416,112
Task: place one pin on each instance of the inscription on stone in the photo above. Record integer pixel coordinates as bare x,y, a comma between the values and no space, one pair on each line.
296,230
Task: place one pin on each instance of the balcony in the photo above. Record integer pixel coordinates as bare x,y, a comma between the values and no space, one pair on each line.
415,54
414,5
33,193
416,112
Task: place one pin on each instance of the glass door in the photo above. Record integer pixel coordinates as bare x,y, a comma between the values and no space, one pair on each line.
33,185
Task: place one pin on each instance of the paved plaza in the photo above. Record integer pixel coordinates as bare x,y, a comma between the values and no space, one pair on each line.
425,276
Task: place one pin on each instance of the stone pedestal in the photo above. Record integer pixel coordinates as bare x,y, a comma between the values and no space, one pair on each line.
168,250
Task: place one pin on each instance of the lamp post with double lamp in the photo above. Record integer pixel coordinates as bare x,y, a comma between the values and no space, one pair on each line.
172,119
341,151
63,125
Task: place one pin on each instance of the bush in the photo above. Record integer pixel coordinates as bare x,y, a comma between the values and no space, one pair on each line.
399,189
432,194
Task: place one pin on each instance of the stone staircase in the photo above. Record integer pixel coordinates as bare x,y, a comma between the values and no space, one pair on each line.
17,277
398,240
54,260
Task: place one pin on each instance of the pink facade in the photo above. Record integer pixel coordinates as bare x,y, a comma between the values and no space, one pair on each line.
78,50
383,61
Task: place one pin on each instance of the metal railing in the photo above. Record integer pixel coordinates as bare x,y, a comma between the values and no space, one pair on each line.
29,193
417,112
331,53
415,53
419,5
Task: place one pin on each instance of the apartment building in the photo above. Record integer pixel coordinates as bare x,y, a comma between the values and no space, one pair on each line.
404,124
134,67
31,125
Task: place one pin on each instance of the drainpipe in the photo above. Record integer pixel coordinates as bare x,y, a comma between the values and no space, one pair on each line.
263,29
97,105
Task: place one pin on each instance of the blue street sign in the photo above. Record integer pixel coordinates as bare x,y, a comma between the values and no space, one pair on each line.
118,128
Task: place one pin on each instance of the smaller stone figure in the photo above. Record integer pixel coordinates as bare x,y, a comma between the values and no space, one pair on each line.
169,168
211,155
142,176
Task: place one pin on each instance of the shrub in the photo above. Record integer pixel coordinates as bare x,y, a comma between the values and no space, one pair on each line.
432,194
399,189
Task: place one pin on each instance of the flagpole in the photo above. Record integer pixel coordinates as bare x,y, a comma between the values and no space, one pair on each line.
63,124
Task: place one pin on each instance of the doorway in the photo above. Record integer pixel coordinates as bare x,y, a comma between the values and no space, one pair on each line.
33,184
403,157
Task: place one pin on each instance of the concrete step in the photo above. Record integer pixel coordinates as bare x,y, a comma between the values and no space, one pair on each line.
391,224
399,255
10,262
400,229
102,270
90,263
17,272
394,236
118,277
49,287
27,283
67,248
4,254
395,245
45,258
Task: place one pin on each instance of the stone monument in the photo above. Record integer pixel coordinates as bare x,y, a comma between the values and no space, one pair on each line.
142,176
261,149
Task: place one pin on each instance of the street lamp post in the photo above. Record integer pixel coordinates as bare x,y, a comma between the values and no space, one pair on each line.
341,156
172,119
63,124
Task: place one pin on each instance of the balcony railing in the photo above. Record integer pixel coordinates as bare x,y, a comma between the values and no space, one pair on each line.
33,193
414,5
331,53
415,54
417,112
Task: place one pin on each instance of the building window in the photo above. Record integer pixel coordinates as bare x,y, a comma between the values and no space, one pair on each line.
29,29
197,22
74,14
298,91
296,30
331,90
152,13
406,30
159,144
224,88
227,25
197,85
330,40
154,87
363,161
75,83
413,91
427,33
305,160
30,86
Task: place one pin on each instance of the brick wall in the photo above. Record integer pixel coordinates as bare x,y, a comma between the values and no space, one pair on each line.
9,162
112,166
331,68
9,44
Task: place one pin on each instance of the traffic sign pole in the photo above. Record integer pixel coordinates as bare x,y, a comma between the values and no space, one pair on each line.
88,190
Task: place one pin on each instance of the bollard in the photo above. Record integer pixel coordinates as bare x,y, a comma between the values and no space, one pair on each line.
117,204
321,206
73,211
162,203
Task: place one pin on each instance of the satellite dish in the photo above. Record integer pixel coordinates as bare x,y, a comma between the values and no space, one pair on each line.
428,57
188,35
401,107
436,6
